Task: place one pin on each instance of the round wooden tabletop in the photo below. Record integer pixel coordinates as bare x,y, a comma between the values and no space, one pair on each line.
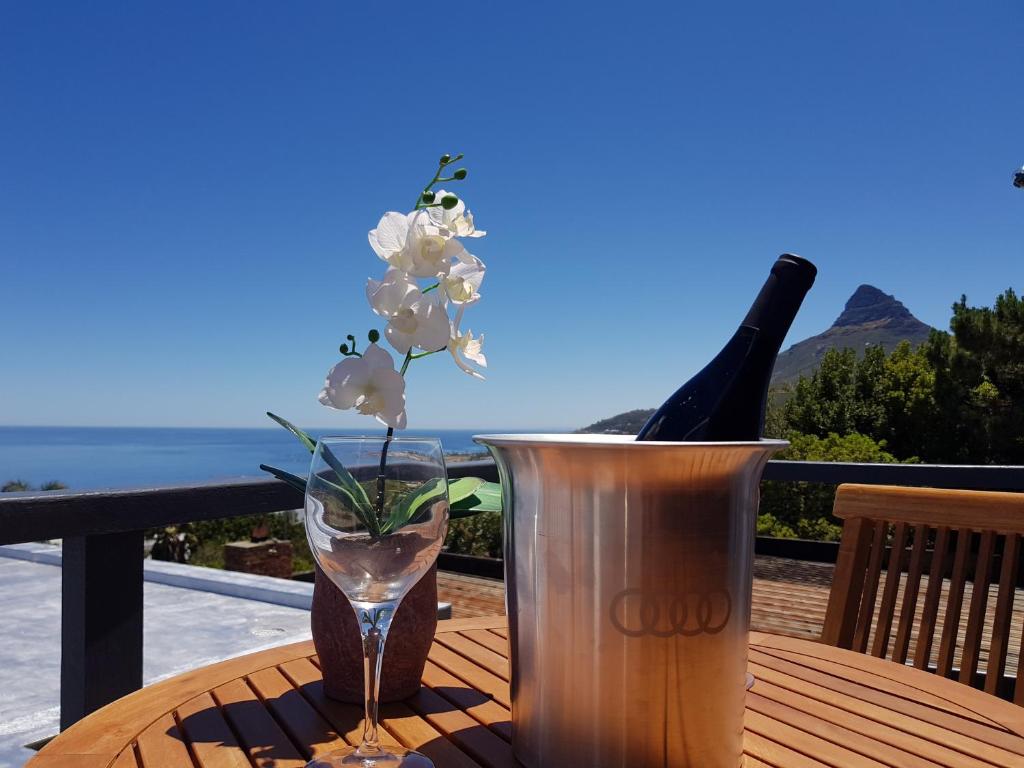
812,705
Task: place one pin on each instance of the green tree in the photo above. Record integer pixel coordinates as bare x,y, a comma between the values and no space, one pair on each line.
979,382
825,402
14,486
887,397
906,398
804,510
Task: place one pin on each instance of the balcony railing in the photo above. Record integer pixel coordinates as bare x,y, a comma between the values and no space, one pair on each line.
102,532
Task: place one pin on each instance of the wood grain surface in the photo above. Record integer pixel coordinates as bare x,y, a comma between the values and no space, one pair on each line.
812,705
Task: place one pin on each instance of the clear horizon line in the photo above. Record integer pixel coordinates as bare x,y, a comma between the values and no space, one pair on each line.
268,426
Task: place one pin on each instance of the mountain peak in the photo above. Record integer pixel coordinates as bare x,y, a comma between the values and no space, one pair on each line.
870,317
870,305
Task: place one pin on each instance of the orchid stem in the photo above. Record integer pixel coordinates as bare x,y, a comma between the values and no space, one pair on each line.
418,355
437,178
405,364
380,472
387,443
433,181
409,356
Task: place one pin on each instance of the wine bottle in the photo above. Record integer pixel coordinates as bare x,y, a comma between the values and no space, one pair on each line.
726,400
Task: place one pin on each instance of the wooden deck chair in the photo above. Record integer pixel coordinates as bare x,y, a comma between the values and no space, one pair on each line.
932,541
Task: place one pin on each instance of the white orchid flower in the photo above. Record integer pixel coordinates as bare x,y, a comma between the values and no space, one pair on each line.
463,345
370,384
413,243
430,248
462,283
458,221
419,321
386,296
389,239
414,319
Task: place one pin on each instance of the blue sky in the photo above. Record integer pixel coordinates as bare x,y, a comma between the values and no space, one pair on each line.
185,190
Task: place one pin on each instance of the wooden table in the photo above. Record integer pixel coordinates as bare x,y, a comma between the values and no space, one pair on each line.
812,705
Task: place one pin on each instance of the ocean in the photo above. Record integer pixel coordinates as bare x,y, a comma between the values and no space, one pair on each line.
125,457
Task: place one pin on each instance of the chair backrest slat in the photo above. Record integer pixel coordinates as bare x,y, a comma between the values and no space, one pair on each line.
987,528
848,583
1018,692
976,613
930,611
1004,613
894,572
954,604
909,606
867,603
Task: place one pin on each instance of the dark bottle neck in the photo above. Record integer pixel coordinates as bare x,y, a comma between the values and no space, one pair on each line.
776,305
726,399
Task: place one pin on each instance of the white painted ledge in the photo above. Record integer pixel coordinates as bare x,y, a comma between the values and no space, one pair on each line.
248,586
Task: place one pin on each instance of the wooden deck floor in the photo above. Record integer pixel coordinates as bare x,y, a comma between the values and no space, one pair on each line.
471,596
789,598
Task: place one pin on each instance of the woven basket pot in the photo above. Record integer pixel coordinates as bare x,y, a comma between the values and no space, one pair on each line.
336,637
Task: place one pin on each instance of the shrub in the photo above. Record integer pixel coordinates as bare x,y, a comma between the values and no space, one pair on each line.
478,535
804,510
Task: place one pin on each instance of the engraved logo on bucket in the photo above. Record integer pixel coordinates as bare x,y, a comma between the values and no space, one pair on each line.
636,613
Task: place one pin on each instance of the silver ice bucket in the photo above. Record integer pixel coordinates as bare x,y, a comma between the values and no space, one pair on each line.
628,572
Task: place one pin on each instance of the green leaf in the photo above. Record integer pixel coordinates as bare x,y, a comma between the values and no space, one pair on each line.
296,482
304,438
299,484
485,498
413,503
356,494
461,491
463,487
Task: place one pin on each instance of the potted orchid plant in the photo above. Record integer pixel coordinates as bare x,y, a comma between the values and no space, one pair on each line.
430,281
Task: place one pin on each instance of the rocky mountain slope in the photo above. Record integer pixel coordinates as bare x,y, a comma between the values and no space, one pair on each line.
627,423
870,317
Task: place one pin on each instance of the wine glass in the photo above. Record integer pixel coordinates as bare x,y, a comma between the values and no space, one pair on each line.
376,517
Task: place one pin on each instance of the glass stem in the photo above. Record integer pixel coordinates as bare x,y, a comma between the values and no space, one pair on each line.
374,621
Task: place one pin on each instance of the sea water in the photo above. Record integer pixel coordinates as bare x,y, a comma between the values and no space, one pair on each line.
127,457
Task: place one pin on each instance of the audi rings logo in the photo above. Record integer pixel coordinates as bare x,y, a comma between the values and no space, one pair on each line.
636,613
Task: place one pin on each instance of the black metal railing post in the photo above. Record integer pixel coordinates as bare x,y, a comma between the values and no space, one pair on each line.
101,622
